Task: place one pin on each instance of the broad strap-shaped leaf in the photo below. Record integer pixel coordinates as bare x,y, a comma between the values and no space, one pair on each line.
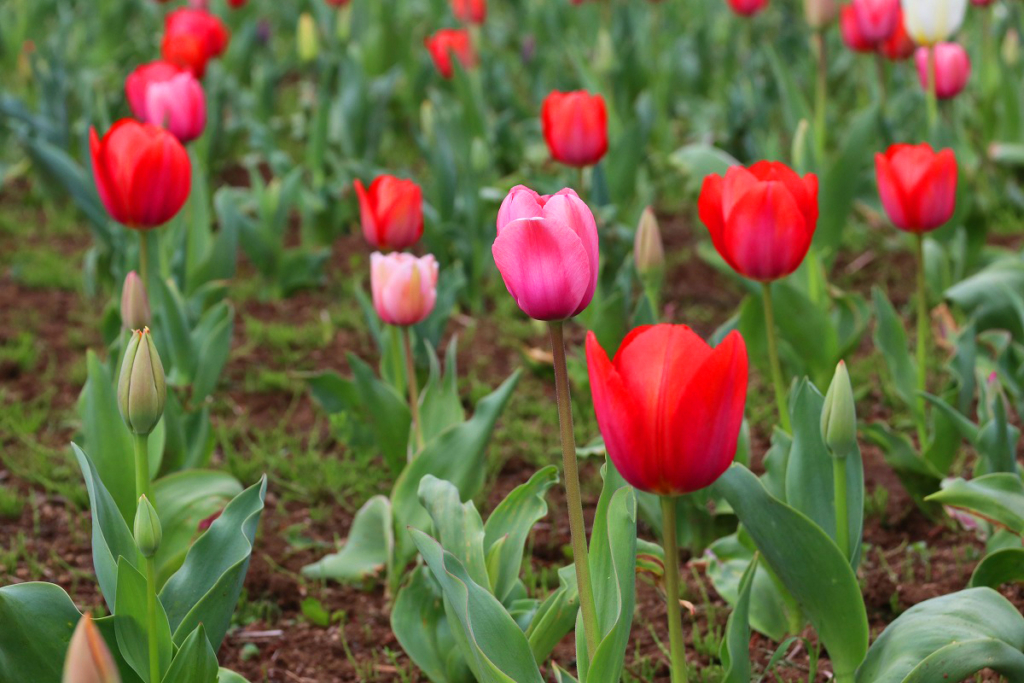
228,676
333,392
999,567
457,526
919,477
999,498
195,662
440,405
131,623
492,643
826,589
949,638
387,412
419,623
212,340
509,526
891,340
368,549
554,617
37,622
111,538
172,333
735,649
206,588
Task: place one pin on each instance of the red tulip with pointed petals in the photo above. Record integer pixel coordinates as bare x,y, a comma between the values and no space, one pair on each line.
391,212
575,126
669,406
917,186
448,43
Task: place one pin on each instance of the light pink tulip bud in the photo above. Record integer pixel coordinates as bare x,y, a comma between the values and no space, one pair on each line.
820,13
547,252
88,659
952,69
404,287
135,313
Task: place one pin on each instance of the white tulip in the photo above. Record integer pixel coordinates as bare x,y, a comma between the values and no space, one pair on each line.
932,21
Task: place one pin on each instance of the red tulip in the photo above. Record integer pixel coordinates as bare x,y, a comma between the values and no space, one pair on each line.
448,42
237,3
337,3
761,220
849,27
899,45
470,11
192,37
143,174
982,3
669,406
877,18
747,8
952,69
917,186
575,126
166,95
391,212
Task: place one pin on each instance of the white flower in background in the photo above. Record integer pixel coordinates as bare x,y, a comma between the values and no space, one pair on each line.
933,21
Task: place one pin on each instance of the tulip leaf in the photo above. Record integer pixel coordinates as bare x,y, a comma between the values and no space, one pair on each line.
826,589
998,498
333,392
106,437
990,296
171,328
457,526
228,676
131,622
918,476
419,623
495,647
111,538
440,405
212,343
554,617
38,621
735,649
891,340
368,549
195,662
839,188
997,568
770,610
206,588
386,411
808,330
949,638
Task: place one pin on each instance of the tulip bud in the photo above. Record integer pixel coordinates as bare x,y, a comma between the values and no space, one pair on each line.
148,532
142,388
648,250
839,415
88,659
134,303
1011,48
309,44
820,13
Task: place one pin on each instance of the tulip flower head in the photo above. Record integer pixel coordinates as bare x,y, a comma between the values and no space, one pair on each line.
849,28
747,8
547,252
141,388
952,69
575,126
648,248
147,530
932,21
142,173
88,659
470,11
404,287
761,219
135,313
917,186
235,4
669,406
820,13
877,18
192,37
167,95
391,212
839,415
337,3
449,42
899,45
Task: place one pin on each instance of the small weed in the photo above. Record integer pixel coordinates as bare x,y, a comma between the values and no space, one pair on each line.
11,503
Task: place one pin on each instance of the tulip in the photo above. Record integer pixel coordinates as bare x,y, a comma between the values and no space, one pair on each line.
391,212
932,21
135,313
306,40
192,37
575,126
982,3
166,95
952,69
648,249
850,30
337,3
446,43
141,389
404,287
470,11
877,18
147,530
747,8
237,3
820,13
88,659
899,45
917,186
547,252
142,173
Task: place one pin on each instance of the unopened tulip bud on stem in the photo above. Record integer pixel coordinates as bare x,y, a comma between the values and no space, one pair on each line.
141,396
839,432
148,535
649,256
88,659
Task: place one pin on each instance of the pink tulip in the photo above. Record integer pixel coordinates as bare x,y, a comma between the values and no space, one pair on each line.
952,69
547,252
169,96
747,8
404,287
877,18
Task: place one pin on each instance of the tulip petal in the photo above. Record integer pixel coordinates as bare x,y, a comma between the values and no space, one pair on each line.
521,202
567,208
544,265
894,197
367,219
712,214
766,233
935,192
109,193
161,181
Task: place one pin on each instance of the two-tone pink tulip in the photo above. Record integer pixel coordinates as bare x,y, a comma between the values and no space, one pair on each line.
169,96
404,287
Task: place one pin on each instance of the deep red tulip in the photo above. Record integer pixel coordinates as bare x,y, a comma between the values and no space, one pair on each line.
877,18
143,174
747,8
237,3
761,220
470,11
669,406
166,95
575,127
391,212
917,186
337,3
952,69
849,27
448,42
192,37
899,45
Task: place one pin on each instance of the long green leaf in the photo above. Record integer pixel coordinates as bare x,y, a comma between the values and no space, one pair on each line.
998,498
131,623
106,437
368,549
38,620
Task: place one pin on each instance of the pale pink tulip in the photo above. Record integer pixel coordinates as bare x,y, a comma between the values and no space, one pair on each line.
952,69
404,287
168,96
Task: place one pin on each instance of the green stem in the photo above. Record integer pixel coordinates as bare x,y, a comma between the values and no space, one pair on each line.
581,189
882,90
842,508
675,616
151,621
821,97
396,361
773,357
142,467
933,97
414,394
922,341
144,258
573,497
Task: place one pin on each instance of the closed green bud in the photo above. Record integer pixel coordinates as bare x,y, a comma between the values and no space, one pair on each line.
648,249
148,532
839,415
142,388
308,42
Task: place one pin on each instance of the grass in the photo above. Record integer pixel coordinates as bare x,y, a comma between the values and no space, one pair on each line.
12,504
